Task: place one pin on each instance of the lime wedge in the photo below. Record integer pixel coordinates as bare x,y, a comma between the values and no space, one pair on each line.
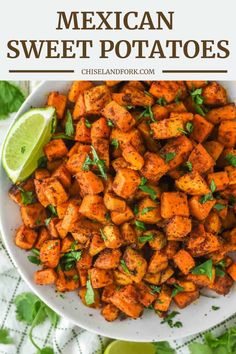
24,143
121,347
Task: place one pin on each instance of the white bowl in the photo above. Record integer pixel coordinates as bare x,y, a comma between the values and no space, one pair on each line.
195,318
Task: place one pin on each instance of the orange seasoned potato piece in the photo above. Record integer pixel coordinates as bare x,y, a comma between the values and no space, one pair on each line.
82,133
79,108
200,160
33,215
146,296
214,94
110,312
126,182
93,207
154,167
100,277
200,210
158,262
136,265
201,128
174,203
148,211
55,149
227,133
114,203
168,90
120,217
184,261
129,235
77,88
164,299
178,227
97,244
108,259
50,253
45,276
96,98
100,129
221,180
58,101
133,157
217,115
89,183
63,176
167,128
25,238
184,299
214,148
120,116
54,191
112,236
193,184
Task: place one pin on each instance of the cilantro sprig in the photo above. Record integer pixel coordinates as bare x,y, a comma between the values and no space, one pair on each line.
11,98
69,127
207,197
204,269
5,336
169,320
231,159
143,187
96,161
89,296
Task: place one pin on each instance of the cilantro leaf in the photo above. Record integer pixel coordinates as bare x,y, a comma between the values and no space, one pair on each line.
163,348
89,296
62,136
110,123
161,101
52,209
145,238
103,235
146,210
205,198
46,350
155,289
189,166
213,186
135,209
11,98
140,225
219,206
204,269
189,127
99,163
69,127
215,308
147,113
147,189
169,320
177,289
87,123
5,337
42,162
231,159
168,156
27,197
115,143
124,266
69,259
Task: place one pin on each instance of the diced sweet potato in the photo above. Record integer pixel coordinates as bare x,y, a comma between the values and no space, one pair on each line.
58,101
148,211
45,276
171,249
227,133
198,210
54,191
76,161
120,217
166,274
127,301
63,176
184,261
108,259
152,278
79,109
93,207
89,183
15,192
178,227
33,215
110,312
67,282
201,128
135,263
129,235
231,270
25,238
77,88
112,236
174,203
158,262
114,203
102,148
50,253
222,285
97,244
221,180
96,99
158,241
184,299
41,173
100,277
132,137
146,297
212,223
214,148
71,216
210,244
159,112
202,280
164,299
231,171
42,236
55,149
192,183
193,85
100,129
120,116
154,167
214,94
167,128
126,182
82,133
217,115
168,90
200,159
133,157
135,96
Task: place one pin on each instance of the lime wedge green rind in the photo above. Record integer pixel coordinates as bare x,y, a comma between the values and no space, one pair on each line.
25,140
122,347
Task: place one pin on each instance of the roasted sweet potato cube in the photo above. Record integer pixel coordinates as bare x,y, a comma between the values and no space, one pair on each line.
174,203
180,148
76,162
72,215
135,96
184,261
217,115
148,211
158,262
167,128
200,210
89,183
192,183
33,215
184,116
97,244
209,245
50,253
67,282
114,203
126,182
227,133
222,285
133,157
25,238
146,297
100,129
43,235
57,101
107,292
53,165
63,176
132,137
164,299
79,109
45,276
61,209
214,148
82,132
220,179
201,128
121,278
112,236
82,294
54,191
77,88
193,85
100,277
41,173
108,259
158,240
93,207
202,280
178,227
171,249
177,107
214,94
127,301
110,312
183,299
120,116
231,270
15,192
136,264
231,171
152,278
39,188
96,99
168,90
159,112
129,235
154,167
200,159
212,223
119,217
102,148
55,149
166,274
52,227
